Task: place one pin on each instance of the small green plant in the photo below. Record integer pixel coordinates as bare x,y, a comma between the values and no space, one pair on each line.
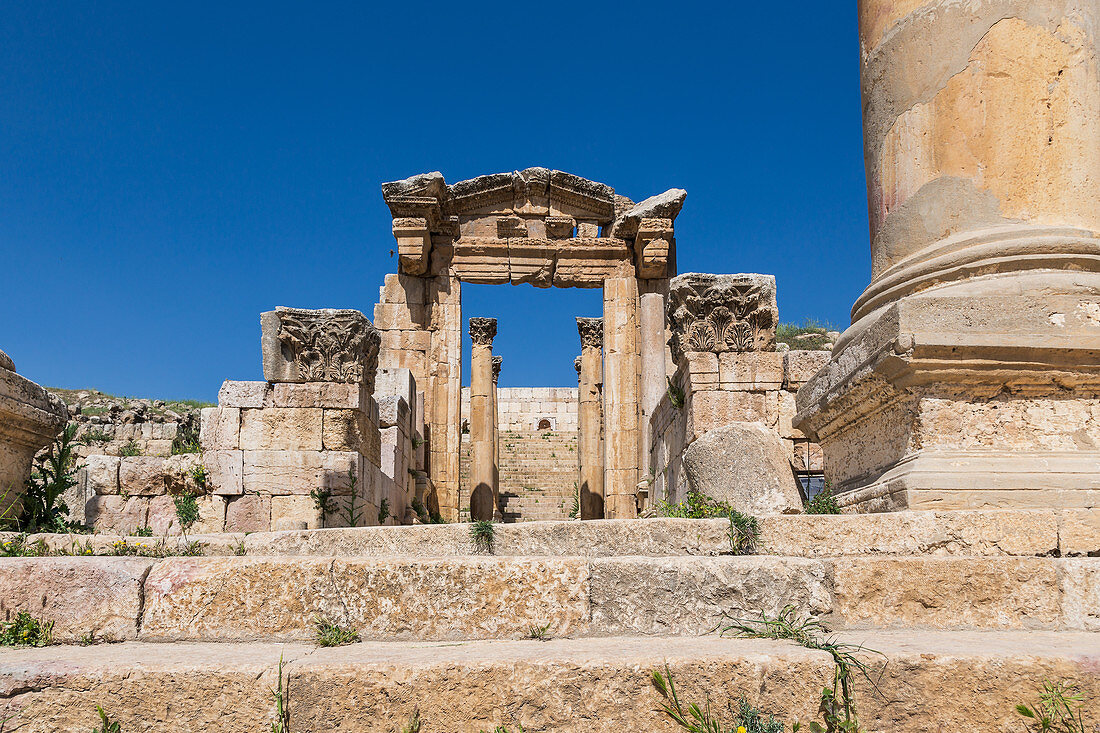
199,476
186,441
1059,710
239,548
26,630
823,503
575,506
413,726
105,723
98,435
129,449
504,729
696,505
838,707
744,533
417,441
675,393
329,633
698,719
281,697
418,507
43,508
145,531
322,502
187,510
384,511
88,639
482,535
539,632
351,515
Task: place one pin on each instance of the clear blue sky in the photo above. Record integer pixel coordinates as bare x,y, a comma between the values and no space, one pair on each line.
170,170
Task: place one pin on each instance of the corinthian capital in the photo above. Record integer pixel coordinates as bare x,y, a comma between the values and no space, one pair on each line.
497,361
591,331
483,331
719,313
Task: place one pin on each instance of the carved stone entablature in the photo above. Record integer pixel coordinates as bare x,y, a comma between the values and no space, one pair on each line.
497,362
573,215
719,313
591,331
483,331
325,345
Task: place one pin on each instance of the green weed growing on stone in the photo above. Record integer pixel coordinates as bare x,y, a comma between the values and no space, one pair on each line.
823,503
413,726
43,508
187,510
838,708
105,723
421,512
199,476
696,719
330,633
482,534
186,441
675,393
744,533
384,511
26,630
281,697
504,729
575,506
130,449
145,531
539,632
322,502
1059,710
98,435
696,505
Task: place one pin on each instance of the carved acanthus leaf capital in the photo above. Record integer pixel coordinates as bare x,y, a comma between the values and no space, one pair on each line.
328,345
591,331
483,331
719,313
497,361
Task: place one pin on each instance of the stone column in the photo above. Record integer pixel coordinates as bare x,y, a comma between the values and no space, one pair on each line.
482,470
445,390
651,347
589,419
498,515
30,417
620,396
969,377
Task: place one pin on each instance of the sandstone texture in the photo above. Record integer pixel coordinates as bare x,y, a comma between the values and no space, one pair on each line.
746,465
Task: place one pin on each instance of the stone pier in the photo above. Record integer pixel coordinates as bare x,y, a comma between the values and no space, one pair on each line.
620,397
30,418
970,376
590,419
483,488
498,361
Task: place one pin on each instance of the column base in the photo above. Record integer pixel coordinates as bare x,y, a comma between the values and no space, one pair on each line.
984,394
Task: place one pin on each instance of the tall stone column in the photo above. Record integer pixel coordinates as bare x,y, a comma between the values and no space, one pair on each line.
589,419
620,396
498,515
652,372
482,469
970,376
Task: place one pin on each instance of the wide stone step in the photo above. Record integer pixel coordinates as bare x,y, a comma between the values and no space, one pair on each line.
453,598
1025,533
927,681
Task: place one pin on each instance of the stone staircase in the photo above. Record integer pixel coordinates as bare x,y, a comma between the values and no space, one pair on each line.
971,612
538,474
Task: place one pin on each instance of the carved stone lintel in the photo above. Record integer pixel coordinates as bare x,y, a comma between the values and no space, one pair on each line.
483,331
719,313
591,331
497,361
325,345
651,246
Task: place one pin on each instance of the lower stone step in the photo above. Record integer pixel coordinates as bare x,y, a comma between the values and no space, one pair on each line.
926,681
450,598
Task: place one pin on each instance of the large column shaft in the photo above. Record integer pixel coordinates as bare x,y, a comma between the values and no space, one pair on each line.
651,345
969,377
589,420
494,413
482,468
620,395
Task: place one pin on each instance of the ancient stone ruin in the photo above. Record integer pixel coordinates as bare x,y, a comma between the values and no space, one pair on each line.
560,545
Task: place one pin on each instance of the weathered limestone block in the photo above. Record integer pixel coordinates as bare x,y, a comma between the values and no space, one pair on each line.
248,513
751,371
688,595
319,346
346,430
1081,593
80,595
245,394
384,598
182,473
1005,593
102,472
799,366
220,428
982,312
283,472
720,313
117,514
30,418
163,519
282,428
295,512
142,476
224,472
333,395
747,465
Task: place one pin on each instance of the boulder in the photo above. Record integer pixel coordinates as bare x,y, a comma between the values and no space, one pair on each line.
745,464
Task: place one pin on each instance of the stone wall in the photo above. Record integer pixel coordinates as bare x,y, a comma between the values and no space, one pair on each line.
523,408
537,474
129,493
